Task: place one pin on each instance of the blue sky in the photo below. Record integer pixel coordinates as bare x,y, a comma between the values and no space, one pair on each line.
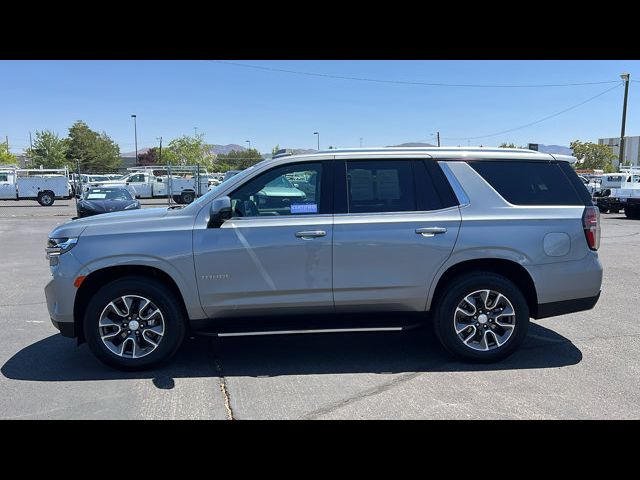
231,104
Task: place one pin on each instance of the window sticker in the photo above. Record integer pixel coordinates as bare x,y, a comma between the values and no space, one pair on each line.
388,184
361,184
304,208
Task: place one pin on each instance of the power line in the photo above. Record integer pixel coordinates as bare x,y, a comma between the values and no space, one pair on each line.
401,82
537,121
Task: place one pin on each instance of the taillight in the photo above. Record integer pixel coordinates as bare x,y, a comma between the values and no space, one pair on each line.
591,224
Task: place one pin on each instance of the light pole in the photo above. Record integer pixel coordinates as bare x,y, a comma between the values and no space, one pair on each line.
318,134
135,133
625,77
249,142
160,154
360,142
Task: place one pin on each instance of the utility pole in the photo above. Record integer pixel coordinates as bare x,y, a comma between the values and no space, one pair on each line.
30,142
438,136
625,77
160,155
135,130
360,142
318,134
6,137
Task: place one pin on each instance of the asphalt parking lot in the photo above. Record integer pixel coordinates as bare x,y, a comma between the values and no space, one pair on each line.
578,366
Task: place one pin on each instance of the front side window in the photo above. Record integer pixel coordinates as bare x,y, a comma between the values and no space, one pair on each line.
136,178
286,190
4,177
380,186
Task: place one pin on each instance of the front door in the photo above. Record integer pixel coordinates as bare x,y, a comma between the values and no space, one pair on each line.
393,235
7,187
274,255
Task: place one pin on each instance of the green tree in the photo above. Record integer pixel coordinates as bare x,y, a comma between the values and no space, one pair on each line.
509,145
238,160
188,150
49,150
275,149
96,152
593,156
6,156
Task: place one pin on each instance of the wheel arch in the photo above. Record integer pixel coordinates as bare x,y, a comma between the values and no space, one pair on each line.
98,278
507,268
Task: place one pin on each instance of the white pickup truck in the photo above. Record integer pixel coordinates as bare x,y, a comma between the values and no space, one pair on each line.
181,185
42,185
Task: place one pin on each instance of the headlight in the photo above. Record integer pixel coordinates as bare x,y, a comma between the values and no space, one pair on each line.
58,246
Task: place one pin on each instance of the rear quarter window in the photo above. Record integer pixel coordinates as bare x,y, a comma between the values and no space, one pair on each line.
531,183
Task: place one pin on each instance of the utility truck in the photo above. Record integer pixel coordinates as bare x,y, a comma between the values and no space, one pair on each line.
620,191
42,185
182,183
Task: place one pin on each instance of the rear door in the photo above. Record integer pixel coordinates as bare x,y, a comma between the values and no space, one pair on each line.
396,223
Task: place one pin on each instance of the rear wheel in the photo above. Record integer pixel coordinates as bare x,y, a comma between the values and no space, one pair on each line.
188,197
177,199
134,323
603,209
482,317
46,198
615,210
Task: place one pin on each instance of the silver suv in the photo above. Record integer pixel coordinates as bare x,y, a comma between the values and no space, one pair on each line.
475,240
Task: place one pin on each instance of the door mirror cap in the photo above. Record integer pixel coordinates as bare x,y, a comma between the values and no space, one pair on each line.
219,212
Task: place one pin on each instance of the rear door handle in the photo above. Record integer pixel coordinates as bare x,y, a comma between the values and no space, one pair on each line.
430,231
311,234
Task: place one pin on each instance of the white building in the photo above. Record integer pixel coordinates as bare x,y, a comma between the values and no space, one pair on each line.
631,149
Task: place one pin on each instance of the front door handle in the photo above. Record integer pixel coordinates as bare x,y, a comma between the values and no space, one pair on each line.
311,234
430,231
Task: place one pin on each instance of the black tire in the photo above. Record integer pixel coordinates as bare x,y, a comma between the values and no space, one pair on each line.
46,198
177,199
188,197
615,210
603,209
455,292
161,296
632,212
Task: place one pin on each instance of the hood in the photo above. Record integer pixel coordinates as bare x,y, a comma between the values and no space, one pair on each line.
105,205
124,220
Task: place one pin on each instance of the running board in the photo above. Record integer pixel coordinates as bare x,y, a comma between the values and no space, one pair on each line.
319,330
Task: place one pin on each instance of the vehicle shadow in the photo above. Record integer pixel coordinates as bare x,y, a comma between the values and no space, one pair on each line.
57,359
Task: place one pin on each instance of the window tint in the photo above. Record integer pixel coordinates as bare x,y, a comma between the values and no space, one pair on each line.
287,190
4,177
427,197
380,186
529,183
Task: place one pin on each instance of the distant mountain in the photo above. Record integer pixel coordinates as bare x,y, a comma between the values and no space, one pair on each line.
224,149
555,149
412,144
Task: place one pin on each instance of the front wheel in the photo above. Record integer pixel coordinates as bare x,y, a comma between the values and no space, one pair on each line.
482,317
632,212
134,323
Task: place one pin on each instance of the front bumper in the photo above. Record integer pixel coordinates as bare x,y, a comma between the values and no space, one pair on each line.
60,293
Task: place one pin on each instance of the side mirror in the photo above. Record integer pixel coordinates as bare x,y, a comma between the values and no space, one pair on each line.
137,196
220,212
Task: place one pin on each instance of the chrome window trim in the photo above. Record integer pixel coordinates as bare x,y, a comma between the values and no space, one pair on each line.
461,195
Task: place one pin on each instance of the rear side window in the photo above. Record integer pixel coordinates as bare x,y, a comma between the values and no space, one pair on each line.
380,186
530,183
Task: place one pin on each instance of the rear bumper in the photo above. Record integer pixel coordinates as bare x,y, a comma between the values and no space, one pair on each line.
564,307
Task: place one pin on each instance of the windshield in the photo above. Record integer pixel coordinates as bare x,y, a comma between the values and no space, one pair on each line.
108,194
